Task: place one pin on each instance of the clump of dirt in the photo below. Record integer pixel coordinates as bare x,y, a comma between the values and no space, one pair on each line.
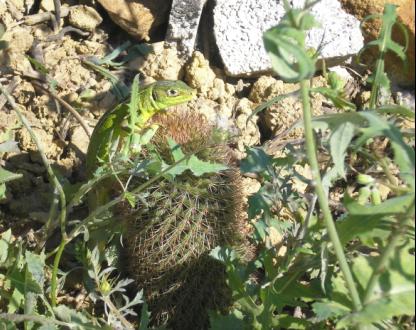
281,116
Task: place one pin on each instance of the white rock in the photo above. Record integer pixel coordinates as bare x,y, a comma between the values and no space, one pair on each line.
183,24
239,27
339,34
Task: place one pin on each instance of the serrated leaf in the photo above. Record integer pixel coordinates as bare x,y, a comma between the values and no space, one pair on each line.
200,167
404,155
329,310
394,294
76,320
196,166
223,254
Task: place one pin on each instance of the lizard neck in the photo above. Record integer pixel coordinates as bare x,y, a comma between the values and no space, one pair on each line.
147,106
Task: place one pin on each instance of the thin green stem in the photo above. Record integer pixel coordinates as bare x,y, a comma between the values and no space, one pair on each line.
54,278
376,85
322,198
387,252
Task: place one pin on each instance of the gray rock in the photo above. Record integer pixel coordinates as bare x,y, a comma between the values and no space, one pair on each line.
239,26
183,24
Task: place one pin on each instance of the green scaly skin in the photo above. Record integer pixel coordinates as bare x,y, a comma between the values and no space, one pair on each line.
111,127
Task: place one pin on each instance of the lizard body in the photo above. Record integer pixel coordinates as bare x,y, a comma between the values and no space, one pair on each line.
111,127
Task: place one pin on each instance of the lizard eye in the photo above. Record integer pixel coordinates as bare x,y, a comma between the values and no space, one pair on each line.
172,92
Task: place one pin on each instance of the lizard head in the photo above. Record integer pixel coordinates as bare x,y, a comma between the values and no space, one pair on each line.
167,93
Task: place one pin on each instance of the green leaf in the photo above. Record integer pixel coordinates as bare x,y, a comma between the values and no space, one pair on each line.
394,109
2,191
329,310
394,294
262,201
333,121
339,142
285,45
130,198
38,65
337,98
364,227
196,166
392,206
6,325
223,254
108,59
6,176
48,327
200,167
289,60
144,318
119,89
76,320
9,146
232,321
257,161
5,240
15,301
284,321
35,266
404,155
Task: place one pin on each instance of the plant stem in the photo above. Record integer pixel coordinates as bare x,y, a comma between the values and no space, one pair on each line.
389,249
54,278
322,198
376,87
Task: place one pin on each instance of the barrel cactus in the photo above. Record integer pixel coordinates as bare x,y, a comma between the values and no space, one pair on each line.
169,237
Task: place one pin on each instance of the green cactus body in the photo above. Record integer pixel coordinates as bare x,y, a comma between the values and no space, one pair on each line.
170,238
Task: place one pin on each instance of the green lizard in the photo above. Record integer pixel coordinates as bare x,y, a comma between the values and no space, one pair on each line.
112,127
